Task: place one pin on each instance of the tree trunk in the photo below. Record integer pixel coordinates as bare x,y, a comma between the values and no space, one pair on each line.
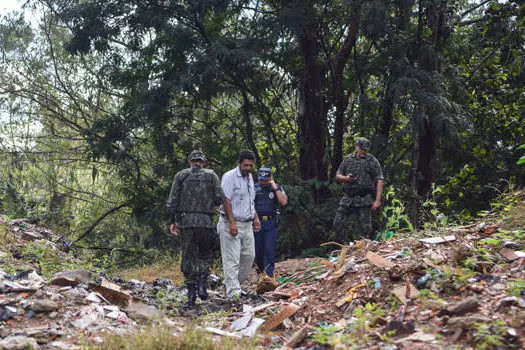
341,97
313,109
249,126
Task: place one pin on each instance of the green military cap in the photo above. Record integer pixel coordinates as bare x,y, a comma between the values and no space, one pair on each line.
197,155
362,143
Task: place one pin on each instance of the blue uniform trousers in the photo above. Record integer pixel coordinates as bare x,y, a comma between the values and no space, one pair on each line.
265,241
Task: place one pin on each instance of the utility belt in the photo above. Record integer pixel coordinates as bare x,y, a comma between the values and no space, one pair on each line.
276,217
243,220
360,191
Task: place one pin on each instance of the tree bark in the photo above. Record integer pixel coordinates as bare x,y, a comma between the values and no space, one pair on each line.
313,108
341,97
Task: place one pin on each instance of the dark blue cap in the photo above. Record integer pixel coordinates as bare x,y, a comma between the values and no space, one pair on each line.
264,174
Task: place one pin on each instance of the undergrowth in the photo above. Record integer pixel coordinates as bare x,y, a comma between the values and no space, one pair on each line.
156,338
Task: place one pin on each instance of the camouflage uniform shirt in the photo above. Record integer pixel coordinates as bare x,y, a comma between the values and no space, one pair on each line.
367,171
195,193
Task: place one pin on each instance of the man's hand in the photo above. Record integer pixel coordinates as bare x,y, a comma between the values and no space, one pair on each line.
256,224
376,204
351,178
272,183
233,228
174,228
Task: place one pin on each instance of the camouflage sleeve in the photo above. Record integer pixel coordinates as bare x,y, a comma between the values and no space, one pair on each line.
343,167
218,193
376,170
172,199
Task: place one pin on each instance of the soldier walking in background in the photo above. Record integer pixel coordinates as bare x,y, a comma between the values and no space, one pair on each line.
268,195
362,179
195,194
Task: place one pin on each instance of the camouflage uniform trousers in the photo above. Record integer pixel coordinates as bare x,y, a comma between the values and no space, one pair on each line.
362,225
197,246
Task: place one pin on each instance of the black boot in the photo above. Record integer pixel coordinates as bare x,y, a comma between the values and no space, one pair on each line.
192,290
203,286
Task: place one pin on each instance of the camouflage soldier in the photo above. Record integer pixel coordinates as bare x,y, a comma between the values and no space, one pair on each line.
362,180
195,193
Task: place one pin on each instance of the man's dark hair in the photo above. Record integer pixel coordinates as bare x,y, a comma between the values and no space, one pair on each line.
246,154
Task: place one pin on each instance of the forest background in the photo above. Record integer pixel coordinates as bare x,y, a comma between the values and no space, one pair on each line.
102,101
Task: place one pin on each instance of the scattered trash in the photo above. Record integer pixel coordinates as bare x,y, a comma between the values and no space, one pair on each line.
377,283
432,275
405,292
241,323
7,313
378,260
436,240
277,319
348,298
383,237
404,252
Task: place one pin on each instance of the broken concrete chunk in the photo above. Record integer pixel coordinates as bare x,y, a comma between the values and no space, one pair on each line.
43,305
16,342
141,311
94,298
30,236
87,320
418,336
252,328
116,315
468,305
112,292
72,278
510,301
466,322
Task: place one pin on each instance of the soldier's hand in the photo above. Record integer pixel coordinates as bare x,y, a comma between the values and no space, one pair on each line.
233,229
376,205
256,225
351,178
174,228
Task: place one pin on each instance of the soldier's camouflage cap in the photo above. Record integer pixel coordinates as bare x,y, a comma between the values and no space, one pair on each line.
264,174
362,143
197,155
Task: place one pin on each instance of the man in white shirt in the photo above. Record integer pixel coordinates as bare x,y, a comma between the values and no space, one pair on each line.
237,223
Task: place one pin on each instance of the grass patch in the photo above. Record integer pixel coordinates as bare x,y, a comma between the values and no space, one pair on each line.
5,237
156,338
168,267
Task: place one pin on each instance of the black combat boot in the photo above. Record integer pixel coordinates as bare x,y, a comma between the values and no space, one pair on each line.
192,290
203,286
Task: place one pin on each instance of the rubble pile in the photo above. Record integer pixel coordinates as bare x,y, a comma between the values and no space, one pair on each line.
462,285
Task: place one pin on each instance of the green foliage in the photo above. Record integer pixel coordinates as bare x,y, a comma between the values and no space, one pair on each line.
162,337
328,335
516,287
522,159
305,223
49,259
394,213
489,335
434,217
